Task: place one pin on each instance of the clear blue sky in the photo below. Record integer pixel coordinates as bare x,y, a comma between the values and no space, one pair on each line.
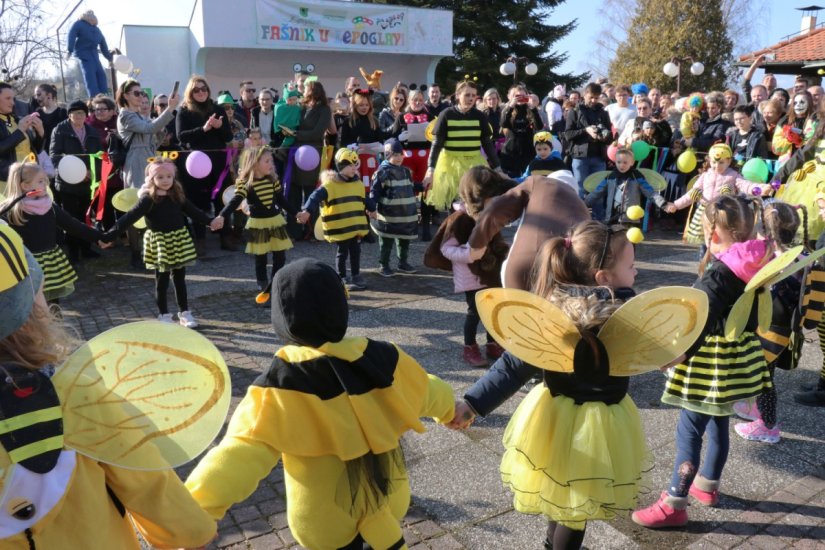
781,20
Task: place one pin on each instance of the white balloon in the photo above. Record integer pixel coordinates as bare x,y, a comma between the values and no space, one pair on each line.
531,69
508,68
697,69
122,64
71,169
670,69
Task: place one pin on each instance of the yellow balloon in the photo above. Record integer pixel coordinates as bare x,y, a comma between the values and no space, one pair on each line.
635,235
635,212
686,162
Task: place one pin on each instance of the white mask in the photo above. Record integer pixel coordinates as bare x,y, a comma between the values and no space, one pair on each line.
800,105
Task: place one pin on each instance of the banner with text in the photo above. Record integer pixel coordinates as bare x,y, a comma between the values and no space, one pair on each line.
323,25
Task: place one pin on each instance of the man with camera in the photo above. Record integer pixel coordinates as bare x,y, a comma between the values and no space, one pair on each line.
588,131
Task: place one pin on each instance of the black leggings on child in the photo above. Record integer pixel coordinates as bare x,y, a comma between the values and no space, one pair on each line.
278,261
162,285
352,248
472,319
766,403
560,537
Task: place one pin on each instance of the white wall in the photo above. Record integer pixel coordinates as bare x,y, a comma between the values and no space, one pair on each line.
162,54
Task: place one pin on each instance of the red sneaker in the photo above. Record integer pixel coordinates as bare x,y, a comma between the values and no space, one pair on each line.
705,498
662,513
472,355
493,351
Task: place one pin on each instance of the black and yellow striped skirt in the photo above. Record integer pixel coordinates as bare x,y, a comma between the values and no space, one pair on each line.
694,233
168,250
58,274
265,235
718,375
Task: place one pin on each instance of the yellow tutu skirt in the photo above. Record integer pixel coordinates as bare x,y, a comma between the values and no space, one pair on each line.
448,171
574,463
265,235
58,274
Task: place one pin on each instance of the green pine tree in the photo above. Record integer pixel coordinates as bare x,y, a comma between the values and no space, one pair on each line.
486,33
662,29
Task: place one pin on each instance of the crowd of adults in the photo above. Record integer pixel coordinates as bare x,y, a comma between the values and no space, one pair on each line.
763,121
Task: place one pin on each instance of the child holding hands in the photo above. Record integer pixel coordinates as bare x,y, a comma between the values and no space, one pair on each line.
333,408
342,201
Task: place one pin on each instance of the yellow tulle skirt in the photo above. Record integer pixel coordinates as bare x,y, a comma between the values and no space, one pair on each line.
574,463
449,169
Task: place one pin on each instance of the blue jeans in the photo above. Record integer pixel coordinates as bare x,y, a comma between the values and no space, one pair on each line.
94,76
692,426
582,168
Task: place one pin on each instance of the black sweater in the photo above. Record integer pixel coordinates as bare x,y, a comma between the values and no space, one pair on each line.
39,233
265,199
189,127
162,216
361,132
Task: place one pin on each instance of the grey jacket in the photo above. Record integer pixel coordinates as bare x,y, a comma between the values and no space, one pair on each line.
139,134
635,186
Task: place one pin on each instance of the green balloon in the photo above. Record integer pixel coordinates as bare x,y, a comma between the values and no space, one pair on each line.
755,170
641,149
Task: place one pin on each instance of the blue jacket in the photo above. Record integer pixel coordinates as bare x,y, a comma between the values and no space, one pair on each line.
84,40
635,185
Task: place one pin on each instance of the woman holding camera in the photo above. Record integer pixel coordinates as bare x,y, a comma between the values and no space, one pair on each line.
519,122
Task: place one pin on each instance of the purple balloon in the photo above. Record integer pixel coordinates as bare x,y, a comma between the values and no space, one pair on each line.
198,164
307,158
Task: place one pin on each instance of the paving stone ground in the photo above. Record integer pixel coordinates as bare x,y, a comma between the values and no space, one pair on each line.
773,496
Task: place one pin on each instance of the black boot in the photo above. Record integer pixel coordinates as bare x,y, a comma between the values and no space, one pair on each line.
227,243
814,397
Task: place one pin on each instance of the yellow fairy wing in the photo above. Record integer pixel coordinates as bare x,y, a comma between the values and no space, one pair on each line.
654,328
318,230
654,178
767,274
738,316
126,199
529,327
428,131
593,180
796,265
764,312
145,396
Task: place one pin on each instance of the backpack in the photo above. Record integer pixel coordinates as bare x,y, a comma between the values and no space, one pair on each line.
117,150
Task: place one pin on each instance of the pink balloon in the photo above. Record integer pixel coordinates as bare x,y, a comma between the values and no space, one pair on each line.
198,164
611,152
307,158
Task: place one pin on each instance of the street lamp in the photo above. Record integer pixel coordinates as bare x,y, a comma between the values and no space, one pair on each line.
510,67
673,68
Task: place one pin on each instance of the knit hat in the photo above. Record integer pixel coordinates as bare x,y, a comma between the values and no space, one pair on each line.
393,147
720,151
78,106
309,303
225,98
20,280
345,157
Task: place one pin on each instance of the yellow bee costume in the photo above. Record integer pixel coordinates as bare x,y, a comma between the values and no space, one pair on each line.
806,185
574,448
333,409
86,453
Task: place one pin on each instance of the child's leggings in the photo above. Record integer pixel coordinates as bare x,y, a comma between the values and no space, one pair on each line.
162,285
278,261
692,426
766,403
352,248
472,319
561,537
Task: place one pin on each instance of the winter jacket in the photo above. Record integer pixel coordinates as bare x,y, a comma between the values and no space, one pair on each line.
581,145
712,185
65,142
635,185
710,132
139,134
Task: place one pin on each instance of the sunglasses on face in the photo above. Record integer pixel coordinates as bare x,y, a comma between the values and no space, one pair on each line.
137,93
163,105
251,90
101,109
200,89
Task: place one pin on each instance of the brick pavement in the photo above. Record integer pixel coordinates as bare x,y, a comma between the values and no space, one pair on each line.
773,496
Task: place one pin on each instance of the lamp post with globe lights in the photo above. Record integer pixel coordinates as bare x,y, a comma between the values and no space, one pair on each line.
673,68
510,67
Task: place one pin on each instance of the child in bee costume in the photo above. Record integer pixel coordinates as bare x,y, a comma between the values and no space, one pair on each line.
574,449
333,409
82,463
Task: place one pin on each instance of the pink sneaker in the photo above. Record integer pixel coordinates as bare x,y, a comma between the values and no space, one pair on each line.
663,513
705,498
757,431
746,410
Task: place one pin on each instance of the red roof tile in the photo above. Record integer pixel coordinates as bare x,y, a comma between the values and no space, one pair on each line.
804,47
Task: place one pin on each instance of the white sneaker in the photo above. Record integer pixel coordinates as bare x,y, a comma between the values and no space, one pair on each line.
165,318
187,320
